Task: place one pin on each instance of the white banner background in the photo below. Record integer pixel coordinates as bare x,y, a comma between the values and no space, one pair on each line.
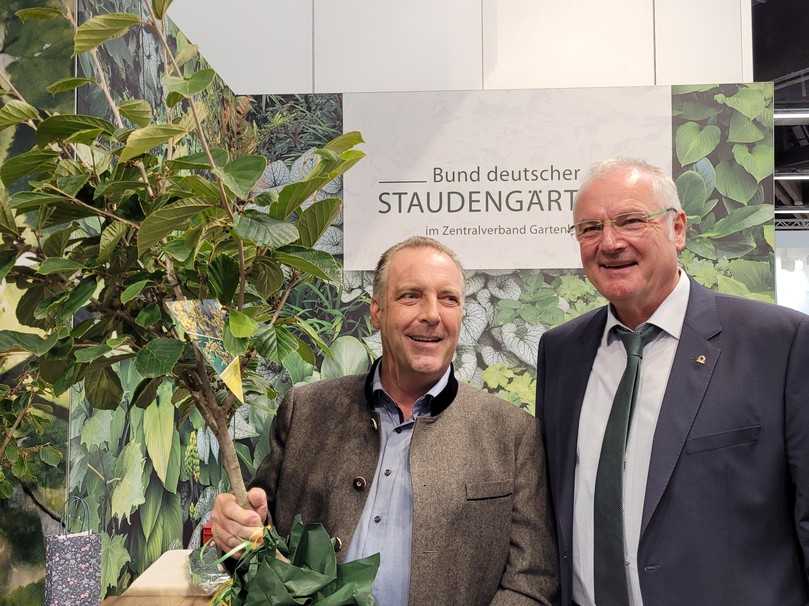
416,142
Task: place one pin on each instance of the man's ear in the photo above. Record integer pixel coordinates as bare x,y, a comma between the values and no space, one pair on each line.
376,312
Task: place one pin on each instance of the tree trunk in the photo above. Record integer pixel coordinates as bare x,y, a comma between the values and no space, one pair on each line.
230,460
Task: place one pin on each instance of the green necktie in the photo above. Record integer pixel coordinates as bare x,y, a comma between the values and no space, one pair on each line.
610,572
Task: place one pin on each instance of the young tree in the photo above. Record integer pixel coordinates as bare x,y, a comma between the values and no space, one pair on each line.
118,223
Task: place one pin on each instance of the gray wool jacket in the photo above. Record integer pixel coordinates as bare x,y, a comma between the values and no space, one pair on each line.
481,524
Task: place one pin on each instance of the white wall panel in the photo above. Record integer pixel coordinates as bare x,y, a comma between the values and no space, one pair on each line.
699,42
256,46
390,45
548,43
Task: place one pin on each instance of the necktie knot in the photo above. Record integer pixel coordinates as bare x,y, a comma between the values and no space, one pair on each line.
635,341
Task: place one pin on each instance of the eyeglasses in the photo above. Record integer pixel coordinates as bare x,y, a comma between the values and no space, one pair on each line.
627,224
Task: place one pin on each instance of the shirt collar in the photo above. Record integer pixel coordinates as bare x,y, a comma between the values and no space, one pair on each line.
422,404
669,315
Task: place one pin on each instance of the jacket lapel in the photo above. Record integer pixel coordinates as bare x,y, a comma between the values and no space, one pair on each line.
691,372
572,383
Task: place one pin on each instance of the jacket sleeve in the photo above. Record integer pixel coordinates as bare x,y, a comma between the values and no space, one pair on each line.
269,472
796,430
530,576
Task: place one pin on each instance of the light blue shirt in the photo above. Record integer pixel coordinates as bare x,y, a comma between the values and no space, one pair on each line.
385,526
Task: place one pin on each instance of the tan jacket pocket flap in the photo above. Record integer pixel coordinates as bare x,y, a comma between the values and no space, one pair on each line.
724,439
489,490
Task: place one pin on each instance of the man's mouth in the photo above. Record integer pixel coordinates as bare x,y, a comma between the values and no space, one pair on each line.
618,264
421,339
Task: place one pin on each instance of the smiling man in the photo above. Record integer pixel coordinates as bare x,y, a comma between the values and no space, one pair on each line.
676,420
437,477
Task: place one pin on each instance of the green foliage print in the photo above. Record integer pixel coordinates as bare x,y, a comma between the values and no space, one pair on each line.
723,167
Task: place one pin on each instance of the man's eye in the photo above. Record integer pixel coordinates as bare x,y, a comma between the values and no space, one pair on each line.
589,228
630,220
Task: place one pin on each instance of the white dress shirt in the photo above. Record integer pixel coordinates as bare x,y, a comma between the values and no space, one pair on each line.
609,364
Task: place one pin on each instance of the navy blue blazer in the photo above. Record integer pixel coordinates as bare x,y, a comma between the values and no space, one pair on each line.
726,513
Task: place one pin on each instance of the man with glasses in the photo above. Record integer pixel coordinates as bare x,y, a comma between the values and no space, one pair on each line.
676,420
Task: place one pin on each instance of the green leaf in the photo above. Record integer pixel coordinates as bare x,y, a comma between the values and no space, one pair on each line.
30,162
61,127
241,325
241,174
748,101
114,557
295,194
38,13
266,276
199,160
78,297
769,235
741,219
175,463
735,182
143,139
101,28
11,340
708,173
160,7
7,260
344,142
158,358
8,224
137,111
102,387
128,493
223,276
692,191
148,316
743,130
132,291
16,112
315,219
694,110
164,220
234,345
348,357
184,88
56,243
263,230
150,510
50,456
59,266
314,262
146,392
757,276
68,84
759,162
110,237
275,343
88,354
731,287
693,143
158,428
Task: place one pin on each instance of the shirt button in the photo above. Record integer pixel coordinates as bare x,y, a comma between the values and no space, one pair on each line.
388,472
377,519
360,483
626,562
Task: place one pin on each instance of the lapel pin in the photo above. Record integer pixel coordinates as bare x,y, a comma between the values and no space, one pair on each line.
700,359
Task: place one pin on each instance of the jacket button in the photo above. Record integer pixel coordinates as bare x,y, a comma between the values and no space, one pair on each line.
360,483
338,544
374,424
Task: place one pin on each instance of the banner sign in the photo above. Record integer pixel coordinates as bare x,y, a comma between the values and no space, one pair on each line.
492,174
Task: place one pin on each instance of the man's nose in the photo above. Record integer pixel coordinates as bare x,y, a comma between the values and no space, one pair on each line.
429,309
610,237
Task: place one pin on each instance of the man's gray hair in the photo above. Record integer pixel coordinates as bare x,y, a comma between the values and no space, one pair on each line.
662,185
381,275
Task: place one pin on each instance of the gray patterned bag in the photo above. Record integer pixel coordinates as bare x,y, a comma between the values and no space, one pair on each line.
73,565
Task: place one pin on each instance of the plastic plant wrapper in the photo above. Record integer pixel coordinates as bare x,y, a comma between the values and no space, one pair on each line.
204,322
204,570
312,575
